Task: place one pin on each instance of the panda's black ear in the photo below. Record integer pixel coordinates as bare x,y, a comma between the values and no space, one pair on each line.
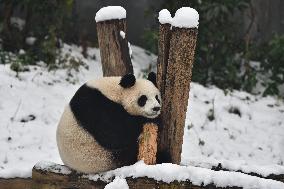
127,81
153,78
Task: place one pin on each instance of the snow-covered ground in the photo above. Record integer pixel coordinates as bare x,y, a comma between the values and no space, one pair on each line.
239,130
242,131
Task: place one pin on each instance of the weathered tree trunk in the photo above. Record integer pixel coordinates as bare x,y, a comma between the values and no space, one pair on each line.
178,78
114,48
51,178
16,183
163,56
148,144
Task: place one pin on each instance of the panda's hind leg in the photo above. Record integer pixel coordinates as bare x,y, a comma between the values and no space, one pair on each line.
78,149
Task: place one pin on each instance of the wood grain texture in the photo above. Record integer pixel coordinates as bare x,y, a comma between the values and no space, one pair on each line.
114,48
148,144
163,56
16,183
178,78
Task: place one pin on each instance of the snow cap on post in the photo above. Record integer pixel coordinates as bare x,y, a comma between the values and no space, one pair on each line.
165,17
110,13
186,17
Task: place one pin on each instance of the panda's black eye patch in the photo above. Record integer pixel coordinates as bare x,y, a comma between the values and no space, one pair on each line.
142,100
157,98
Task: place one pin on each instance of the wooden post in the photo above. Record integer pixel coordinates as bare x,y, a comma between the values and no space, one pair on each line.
163,50
116,61
113,45
163,56
148,144
177,86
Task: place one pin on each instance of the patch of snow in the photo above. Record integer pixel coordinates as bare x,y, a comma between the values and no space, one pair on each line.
30,40
186,17
117,183
130,50
122,34
168,172
165,17
240,165
22,52
110,13
52,167
18,22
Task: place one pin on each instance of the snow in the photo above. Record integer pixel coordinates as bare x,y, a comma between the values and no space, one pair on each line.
30,40
52,167
251,141
236,165
117,183
247,132
110,13
130,50
18,22
165,17
122,34
168,173
186,17
22,52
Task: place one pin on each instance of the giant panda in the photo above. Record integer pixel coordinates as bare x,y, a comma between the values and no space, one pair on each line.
100,126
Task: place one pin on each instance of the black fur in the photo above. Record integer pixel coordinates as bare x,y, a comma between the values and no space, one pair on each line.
127,80
142,100
158,100
153,78
109,123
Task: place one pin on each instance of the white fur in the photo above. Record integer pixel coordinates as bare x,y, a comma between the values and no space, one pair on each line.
128,97
78,149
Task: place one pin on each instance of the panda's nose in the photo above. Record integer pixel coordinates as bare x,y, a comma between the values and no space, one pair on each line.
156,109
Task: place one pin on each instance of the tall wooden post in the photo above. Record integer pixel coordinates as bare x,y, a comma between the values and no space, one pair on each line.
163,56
113,42
116,61
163,50
176,88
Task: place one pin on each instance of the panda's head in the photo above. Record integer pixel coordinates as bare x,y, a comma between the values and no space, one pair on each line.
141,97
